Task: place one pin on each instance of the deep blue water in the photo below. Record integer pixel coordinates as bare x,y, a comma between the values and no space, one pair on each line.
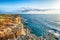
39,24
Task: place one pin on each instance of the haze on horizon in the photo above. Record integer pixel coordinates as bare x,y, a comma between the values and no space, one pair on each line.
10,5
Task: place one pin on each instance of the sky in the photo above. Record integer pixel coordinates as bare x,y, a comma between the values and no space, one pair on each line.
9,5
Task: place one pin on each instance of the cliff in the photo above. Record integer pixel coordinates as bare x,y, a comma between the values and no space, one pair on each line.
12,28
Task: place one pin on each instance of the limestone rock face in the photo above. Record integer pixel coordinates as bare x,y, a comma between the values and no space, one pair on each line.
9,25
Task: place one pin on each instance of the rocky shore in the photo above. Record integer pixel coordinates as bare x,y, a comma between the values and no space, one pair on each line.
12,28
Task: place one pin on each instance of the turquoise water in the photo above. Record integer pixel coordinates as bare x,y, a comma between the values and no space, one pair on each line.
39,24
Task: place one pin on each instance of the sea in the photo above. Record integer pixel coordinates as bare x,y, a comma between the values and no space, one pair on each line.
42,24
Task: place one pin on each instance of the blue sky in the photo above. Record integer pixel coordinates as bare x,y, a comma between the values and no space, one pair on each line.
17,4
